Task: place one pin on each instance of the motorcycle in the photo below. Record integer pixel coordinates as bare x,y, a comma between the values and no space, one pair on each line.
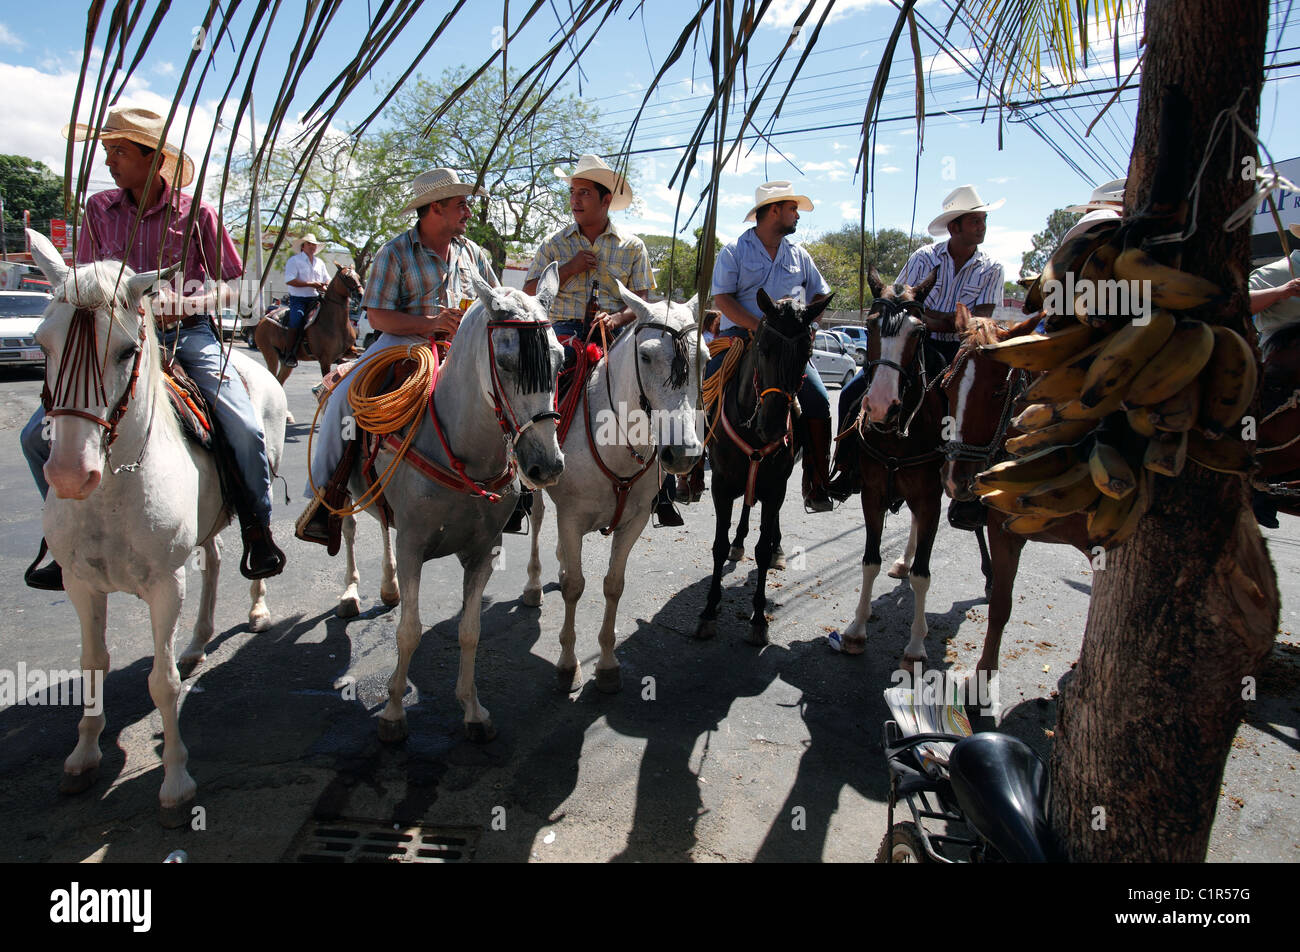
973,797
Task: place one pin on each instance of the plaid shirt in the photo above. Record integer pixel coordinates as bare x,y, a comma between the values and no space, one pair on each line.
408,277
623,257
978,282
159,239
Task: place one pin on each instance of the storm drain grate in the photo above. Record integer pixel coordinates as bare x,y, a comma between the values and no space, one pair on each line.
368,841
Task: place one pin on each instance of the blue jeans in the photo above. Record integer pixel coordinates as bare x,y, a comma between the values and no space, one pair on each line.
200,353
813,400
298,308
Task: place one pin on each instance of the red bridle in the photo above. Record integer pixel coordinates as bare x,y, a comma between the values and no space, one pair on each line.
80,381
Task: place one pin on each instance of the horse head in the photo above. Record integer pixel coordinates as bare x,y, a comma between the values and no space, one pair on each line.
518,360
781,350
663,345
896,342
980,392
349,281
96,346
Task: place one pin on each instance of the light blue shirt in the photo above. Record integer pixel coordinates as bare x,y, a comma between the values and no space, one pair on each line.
744,266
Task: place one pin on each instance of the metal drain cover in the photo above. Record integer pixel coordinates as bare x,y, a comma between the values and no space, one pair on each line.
348,840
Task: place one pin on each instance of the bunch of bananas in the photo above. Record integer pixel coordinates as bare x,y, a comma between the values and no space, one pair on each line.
1117,400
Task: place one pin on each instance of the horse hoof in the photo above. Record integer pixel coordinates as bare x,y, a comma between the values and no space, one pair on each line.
706,629
569,680
911,661
175,817
778,561
348,608
259,621
853,645
288,418
898,570
186,666
609,680
73,784
757,635
480,732
392,732
392,597
736,553
533,597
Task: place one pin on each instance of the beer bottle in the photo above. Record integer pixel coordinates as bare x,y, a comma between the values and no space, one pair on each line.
593,308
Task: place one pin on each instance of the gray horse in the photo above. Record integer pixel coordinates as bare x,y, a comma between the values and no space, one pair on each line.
493,417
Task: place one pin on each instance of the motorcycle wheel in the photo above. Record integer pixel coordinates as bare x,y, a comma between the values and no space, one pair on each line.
902,844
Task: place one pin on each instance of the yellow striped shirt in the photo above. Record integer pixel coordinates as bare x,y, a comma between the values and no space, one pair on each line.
623,257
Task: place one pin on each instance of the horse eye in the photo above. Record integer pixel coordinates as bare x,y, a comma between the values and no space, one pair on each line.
127,353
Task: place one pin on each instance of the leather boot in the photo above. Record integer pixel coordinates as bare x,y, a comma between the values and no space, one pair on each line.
523,507
48,578
816,456
262,557
291,354
665,512
846,478
317,523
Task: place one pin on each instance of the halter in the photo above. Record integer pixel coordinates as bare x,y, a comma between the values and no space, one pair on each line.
983,454
789,340
896,310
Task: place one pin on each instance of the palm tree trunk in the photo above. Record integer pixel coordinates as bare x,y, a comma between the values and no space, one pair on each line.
1188,608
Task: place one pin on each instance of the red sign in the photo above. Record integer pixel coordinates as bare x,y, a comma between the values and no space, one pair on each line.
59,232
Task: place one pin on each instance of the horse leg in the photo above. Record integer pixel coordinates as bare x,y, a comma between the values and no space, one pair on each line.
708,626
769,540
478,723
986,565
390,593
568,672
900,568
204,623
854,638
349,605
608,676
533,587
178,786
1005,548
392,719
925,518
742,529
82,765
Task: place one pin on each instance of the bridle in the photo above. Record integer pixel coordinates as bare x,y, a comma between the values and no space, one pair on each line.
788,340
984,454
892,310
511,429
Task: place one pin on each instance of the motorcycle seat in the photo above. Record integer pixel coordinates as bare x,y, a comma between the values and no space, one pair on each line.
1001,786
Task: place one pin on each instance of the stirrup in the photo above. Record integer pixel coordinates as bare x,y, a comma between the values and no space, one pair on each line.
666,515
317,524
523,510
48,579
273,561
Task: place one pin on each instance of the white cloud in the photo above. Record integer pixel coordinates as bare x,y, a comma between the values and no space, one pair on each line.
883,148
165,69
823,166
1001,180
850,211
783,13
838,146
9,38
889,170
1006,245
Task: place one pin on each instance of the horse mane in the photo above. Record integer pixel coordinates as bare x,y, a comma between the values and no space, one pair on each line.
536,373
679,369
981,331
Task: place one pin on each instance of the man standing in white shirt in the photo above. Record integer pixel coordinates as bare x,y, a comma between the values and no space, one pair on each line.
307,278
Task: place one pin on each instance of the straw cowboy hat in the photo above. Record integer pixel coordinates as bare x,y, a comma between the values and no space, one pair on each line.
960,201
1090,219
593,170
770,192
307,239
435,185
1107,195
143,127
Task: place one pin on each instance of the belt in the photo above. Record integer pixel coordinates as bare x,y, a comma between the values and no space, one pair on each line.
942,336
195,320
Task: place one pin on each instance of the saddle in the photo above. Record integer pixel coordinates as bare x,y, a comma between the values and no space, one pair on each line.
189,404
572,382
279,315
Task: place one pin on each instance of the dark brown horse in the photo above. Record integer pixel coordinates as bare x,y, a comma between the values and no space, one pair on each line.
898,435
1278,448
329,338
982,392
750,447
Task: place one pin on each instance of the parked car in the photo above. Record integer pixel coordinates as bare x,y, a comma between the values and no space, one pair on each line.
20,314
858,335
365,333
833,359
232,324
858,354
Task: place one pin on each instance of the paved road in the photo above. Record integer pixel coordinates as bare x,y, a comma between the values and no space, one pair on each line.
742,754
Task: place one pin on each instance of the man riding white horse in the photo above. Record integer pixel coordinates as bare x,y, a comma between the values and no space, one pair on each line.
419,286
142,223
308,279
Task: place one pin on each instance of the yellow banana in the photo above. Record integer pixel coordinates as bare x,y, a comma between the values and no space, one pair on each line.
1230,378
1178,413
1041,351
1071,255
1114,520
1139,421
1035,417
1127,351
1026,524
1166,453
1075,410
1099,267
1056,386
1163,285
1228,455
1178,362
1058,434
1110,471
1034,296
1002,501
1018,475
1070,492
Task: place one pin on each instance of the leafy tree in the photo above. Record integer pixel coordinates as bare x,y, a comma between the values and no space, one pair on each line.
838,255
27,185
673,261
1048,240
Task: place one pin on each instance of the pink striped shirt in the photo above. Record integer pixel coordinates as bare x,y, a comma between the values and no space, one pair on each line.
159,237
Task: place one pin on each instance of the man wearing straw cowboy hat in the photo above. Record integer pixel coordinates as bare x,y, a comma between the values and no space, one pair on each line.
143,223
307,278
764,258
966,275
419,284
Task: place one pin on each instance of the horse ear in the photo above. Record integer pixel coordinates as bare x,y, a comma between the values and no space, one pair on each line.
963,318
874,282
638,306
765,304
693,305
814,311
484,291
920,292
48,258
138,284
548,285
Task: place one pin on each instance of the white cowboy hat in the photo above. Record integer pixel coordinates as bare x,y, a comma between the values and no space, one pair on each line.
307,239
1108,195
143,127
591,168
1294,229
770,192
435,185
1090,219
960,201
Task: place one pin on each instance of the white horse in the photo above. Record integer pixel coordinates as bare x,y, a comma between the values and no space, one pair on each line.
640,399
132,497
494,405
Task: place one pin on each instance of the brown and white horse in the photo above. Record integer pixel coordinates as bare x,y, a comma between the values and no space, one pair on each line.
328,339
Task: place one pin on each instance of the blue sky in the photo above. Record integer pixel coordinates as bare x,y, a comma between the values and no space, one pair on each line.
40,51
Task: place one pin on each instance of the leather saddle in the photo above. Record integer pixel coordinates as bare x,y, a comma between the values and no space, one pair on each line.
189,404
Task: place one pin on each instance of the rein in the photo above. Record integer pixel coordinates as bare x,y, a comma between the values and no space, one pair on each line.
984,454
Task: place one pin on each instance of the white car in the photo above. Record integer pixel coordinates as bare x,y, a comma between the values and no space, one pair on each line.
232,324
833,360
21,313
